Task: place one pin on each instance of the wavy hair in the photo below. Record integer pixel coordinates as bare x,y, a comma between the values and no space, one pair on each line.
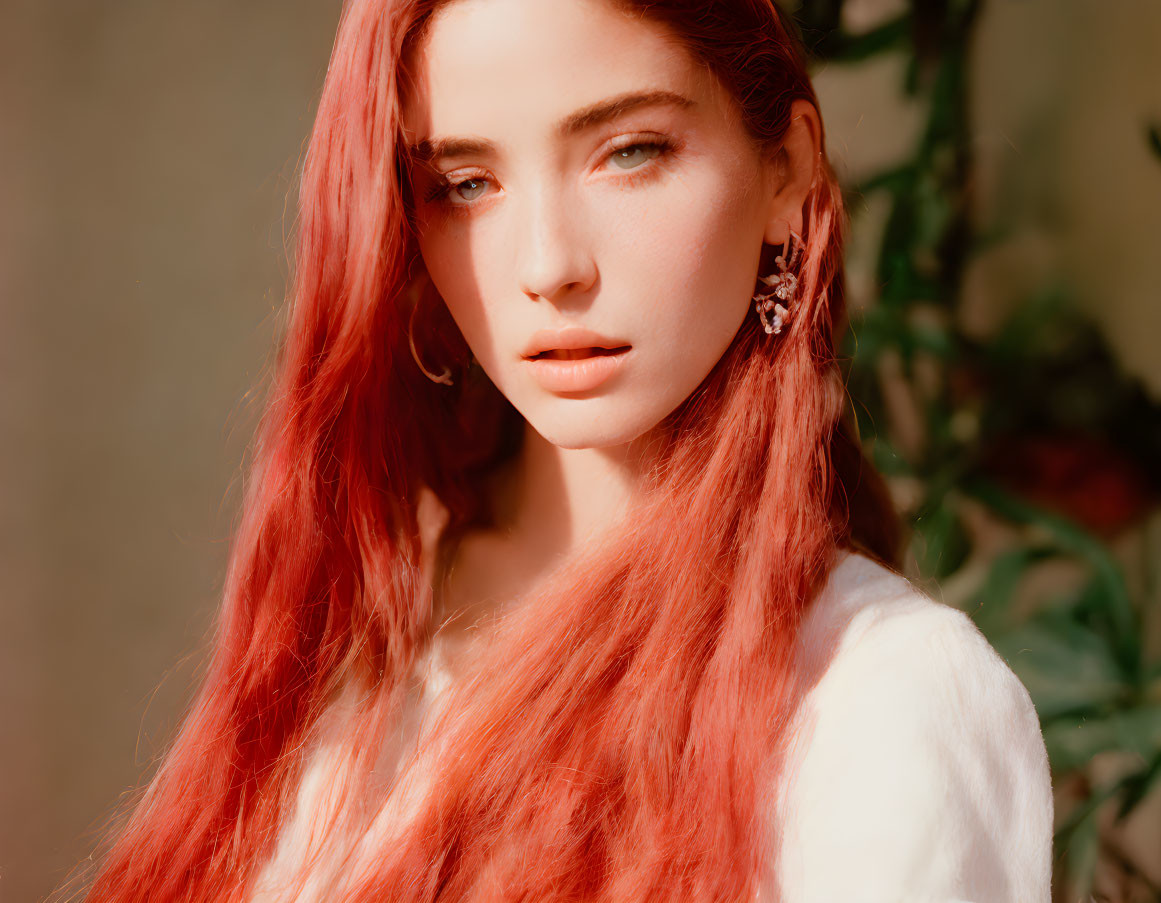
620,739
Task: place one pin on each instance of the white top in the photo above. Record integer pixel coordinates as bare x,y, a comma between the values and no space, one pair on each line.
918,773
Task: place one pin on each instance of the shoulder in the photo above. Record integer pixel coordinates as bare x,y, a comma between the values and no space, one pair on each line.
873,637
916,756
872,623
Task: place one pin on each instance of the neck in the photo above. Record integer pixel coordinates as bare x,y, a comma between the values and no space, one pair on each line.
552,499
547,501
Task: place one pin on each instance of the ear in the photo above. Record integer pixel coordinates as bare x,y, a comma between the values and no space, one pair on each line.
792,172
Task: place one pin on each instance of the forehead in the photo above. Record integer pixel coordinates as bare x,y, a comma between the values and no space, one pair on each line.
482,65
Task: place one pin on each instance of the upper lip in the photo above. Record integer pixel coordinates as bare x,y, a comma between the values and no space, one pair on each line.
568,337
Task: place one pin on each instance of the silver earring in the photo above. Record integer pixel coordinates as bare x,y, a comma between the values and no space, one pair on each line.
784,284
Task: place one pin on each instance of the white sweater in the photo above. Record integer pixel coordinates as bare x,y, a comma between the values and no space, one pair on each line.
918,773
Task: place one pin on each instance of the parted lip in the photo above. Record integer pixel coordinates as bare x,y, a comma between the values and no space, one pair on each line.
567,338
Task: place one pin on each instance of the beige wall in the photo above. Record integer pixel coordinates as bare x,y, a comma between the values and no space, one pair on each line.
146,151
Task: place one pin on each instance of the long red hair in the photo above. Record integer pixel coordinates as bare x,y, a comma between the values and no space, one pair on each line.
622,737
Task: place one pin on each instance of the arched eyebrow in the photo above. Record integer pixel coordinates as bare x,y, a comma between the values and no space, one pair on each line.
431,149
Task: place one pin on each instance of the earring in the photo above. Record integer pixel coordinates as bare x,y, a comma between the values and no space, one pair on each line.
443,378
784,285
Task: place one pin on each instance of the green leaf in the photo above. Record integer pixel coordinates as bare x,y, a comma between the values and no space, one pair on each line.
1083,848
887,459
942,542
1080,838
1070,536
1023,331
1139,786
990,603
1067,668
1073,741
936,340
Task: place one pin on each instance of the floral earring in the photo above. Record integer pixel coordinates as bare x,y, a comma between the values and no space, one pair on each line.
784,284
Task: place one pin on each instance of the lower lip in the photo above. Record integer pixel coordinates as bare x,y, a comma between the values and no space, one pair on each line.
577,375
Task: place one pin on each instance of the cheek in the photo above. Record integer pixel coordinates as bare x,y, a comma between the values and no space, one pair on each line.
691,270
460,281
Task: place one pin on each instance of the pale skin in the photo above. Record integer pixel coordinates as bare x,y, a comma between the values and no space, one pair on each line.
546,228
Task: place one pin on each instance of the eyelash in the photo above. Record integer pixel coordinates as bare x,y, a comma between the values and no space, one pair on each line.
439,192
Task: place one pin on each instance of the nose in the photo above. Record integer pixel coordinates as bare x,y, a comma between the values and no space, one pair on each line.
555,259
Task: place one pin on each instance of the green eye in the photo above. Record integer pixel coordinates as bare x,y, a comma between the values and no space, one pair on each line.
633,155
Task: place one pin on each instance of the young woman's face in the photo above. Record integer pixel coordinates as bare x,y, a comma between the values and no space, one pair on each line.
584,172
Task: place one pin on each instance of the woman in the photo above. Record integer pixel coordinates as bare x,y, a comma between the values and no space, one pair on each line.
560,576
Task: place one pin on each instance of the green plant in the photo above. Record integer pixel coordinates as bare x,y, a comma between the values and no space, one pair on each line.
1035,425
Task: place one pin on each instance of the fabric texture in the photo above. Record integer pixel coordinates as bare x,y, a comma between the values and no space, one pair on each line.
918,772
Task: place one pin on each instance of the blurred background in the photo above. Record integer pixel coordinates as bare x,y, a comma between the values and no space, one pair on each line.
1002,160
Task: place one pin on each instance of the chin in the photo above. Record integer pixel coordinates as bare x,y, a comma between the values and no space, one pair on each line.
589,423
